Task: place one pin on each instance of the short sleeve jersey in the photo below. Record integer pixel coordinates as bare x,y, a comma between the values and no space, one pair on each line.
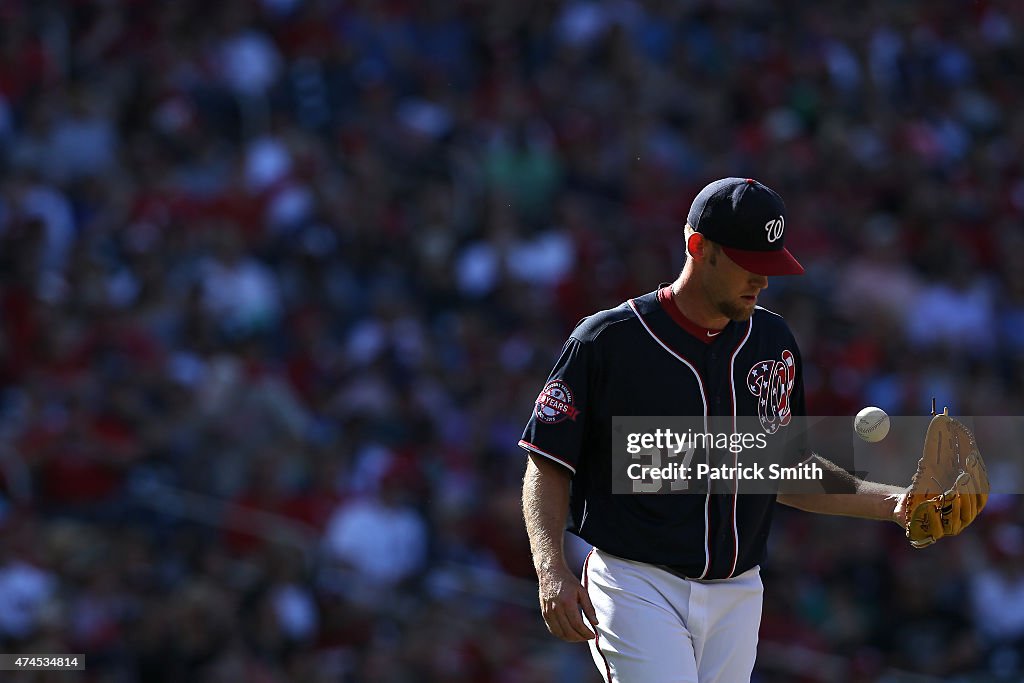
638,360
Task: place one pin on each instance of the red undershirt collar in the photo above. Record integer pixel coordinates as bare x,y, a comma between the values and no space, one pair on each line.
667,300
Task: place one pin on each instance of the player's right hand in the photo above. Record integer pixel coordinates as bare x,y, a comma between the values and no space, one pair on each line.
562,596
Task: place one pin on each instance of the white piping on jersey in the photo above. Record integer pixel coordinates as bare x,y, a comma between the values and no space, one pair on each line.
526,445
704,400
736,494
767,310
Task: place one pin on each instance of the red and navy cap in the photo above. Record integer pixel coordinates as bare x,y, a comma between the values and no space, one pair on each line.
748,220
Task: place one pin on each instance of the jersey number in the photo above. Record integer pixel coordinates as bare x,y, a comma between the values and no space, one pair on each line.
680,482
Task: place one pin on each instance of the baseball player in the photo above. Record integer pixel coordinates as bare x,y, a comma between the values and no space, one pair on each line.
671,590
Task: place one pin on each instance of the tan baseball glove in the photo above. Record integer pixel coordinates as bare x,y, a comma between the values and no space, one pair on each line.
950,487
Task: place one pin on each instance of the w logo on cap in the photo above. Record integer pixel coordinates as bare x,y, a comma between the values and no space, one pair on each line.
774,228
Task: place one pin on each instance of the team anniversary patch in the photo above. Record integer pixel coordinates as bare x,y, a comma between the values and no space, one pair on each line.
555,403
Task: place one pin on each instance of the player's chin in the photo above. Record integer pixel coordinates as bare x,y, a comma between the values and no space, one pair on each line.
741,310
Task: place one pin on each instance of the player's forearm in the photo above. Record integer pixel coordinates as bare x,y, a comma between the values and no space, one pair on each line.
545,506
880,506
849,496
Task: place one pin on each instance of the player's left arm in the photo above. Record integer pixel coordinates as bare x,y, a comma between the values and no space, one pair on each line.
839,492
848,495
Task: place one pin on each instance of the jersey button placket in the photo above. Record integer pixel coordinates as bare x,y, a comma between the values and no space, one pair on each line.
710,368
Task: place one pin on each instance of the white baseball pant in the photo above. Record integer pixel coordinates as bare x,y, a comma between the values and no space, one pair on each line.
656,627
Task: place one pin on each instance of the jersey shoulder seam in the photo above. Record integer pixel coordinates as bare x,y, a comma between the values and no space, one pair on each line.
598,328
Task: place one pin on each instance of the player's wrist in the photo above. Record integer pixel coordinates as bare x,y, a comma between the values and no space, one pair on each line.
899,511
551,566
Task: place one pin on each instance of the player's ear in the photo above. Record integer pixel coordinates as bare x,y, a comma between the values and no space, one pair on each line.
696,246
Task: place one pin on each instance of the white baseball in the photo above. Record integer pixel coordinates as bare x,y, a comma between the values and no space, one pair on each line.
871,424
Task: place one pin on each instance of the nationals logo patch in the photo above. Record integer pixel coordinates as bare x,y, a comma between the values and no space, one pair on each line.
555,403
772,382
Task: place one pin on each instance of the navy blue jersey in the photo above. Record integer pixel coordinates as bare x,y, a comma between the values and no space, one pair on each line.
637,360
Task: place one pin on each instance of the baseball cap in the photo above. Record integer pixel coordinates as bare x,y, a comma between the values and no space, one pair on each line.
748,220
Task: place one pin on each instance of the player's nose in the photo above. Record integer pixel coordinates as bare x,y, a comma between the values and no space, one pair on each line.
759,281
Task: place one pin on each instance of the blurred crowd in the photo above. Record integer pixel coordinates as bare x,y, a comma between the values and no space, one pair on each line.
280,280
